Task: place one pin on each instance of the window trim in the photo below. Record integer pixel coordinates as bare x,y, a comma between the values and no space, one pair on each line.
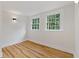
32,24
52,29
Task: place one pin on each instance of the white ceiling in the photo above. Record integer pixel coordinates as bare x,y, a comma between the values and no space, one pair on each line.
33,7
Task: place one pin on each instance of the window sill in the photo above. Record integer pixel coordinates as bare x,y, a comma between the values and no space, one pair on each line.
55,30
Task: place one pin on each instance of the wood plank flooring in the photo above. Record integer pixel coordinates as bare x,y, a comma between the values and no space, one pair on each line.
29,49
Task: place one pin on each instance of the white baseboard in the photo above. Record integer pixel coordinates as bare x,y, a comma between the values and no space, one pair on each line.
11,43
8,44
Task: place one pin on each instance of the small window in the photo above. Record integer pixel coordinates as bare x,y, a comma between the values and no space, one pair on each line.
53,22
35,23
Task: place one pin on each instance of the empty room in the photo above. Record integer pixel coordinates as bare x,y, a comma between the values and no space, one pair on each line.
38,29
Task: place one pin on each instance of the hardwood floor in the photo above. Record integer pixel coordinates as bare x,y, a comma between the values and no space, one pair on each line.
29,49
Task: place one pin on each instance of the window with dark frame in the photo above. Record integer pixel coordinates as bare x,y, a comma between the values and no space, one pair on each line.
35,23
53,22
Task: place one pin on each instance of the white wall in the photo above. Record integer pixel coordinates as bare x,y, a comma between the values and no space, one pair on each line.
62,40
0,28
77,30
13,32
0,20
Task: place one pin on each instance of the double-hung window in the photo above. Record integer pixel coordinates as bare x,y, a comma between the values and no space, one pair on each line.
53,22
35,23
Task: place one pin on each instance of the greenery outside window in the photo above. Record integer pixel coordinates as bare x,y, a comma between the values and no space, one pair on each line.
35,23
53,22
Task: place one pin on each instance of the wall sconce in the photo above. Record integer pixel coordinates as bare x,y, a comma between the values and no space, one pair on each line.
14,20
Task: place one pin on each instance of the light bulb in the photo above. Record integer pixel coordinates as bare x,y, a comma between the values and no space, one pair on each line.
14,21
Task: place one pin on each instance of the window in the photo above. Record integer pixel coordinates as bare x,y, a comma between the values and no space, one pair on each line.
53,22
35,23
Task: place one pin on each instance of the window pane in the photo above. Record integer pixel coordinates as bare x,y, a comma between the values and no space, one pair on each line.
57,15
57,27
53,22
35,23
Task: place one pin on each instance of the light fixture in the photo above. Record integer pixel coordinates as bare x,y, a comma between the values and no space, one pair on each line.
14,20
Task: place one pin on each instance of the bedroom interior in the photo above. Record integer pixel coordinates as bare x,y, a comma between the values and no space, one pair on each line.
39,29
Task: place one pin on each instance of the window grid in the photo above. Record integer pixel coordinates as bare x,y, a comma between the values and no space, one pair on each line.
53,22
35,23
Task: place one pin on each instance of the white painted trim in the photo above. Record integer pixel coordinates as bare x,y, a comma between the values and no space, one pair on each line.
61,29
54,30
13,43
1,54
31,23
